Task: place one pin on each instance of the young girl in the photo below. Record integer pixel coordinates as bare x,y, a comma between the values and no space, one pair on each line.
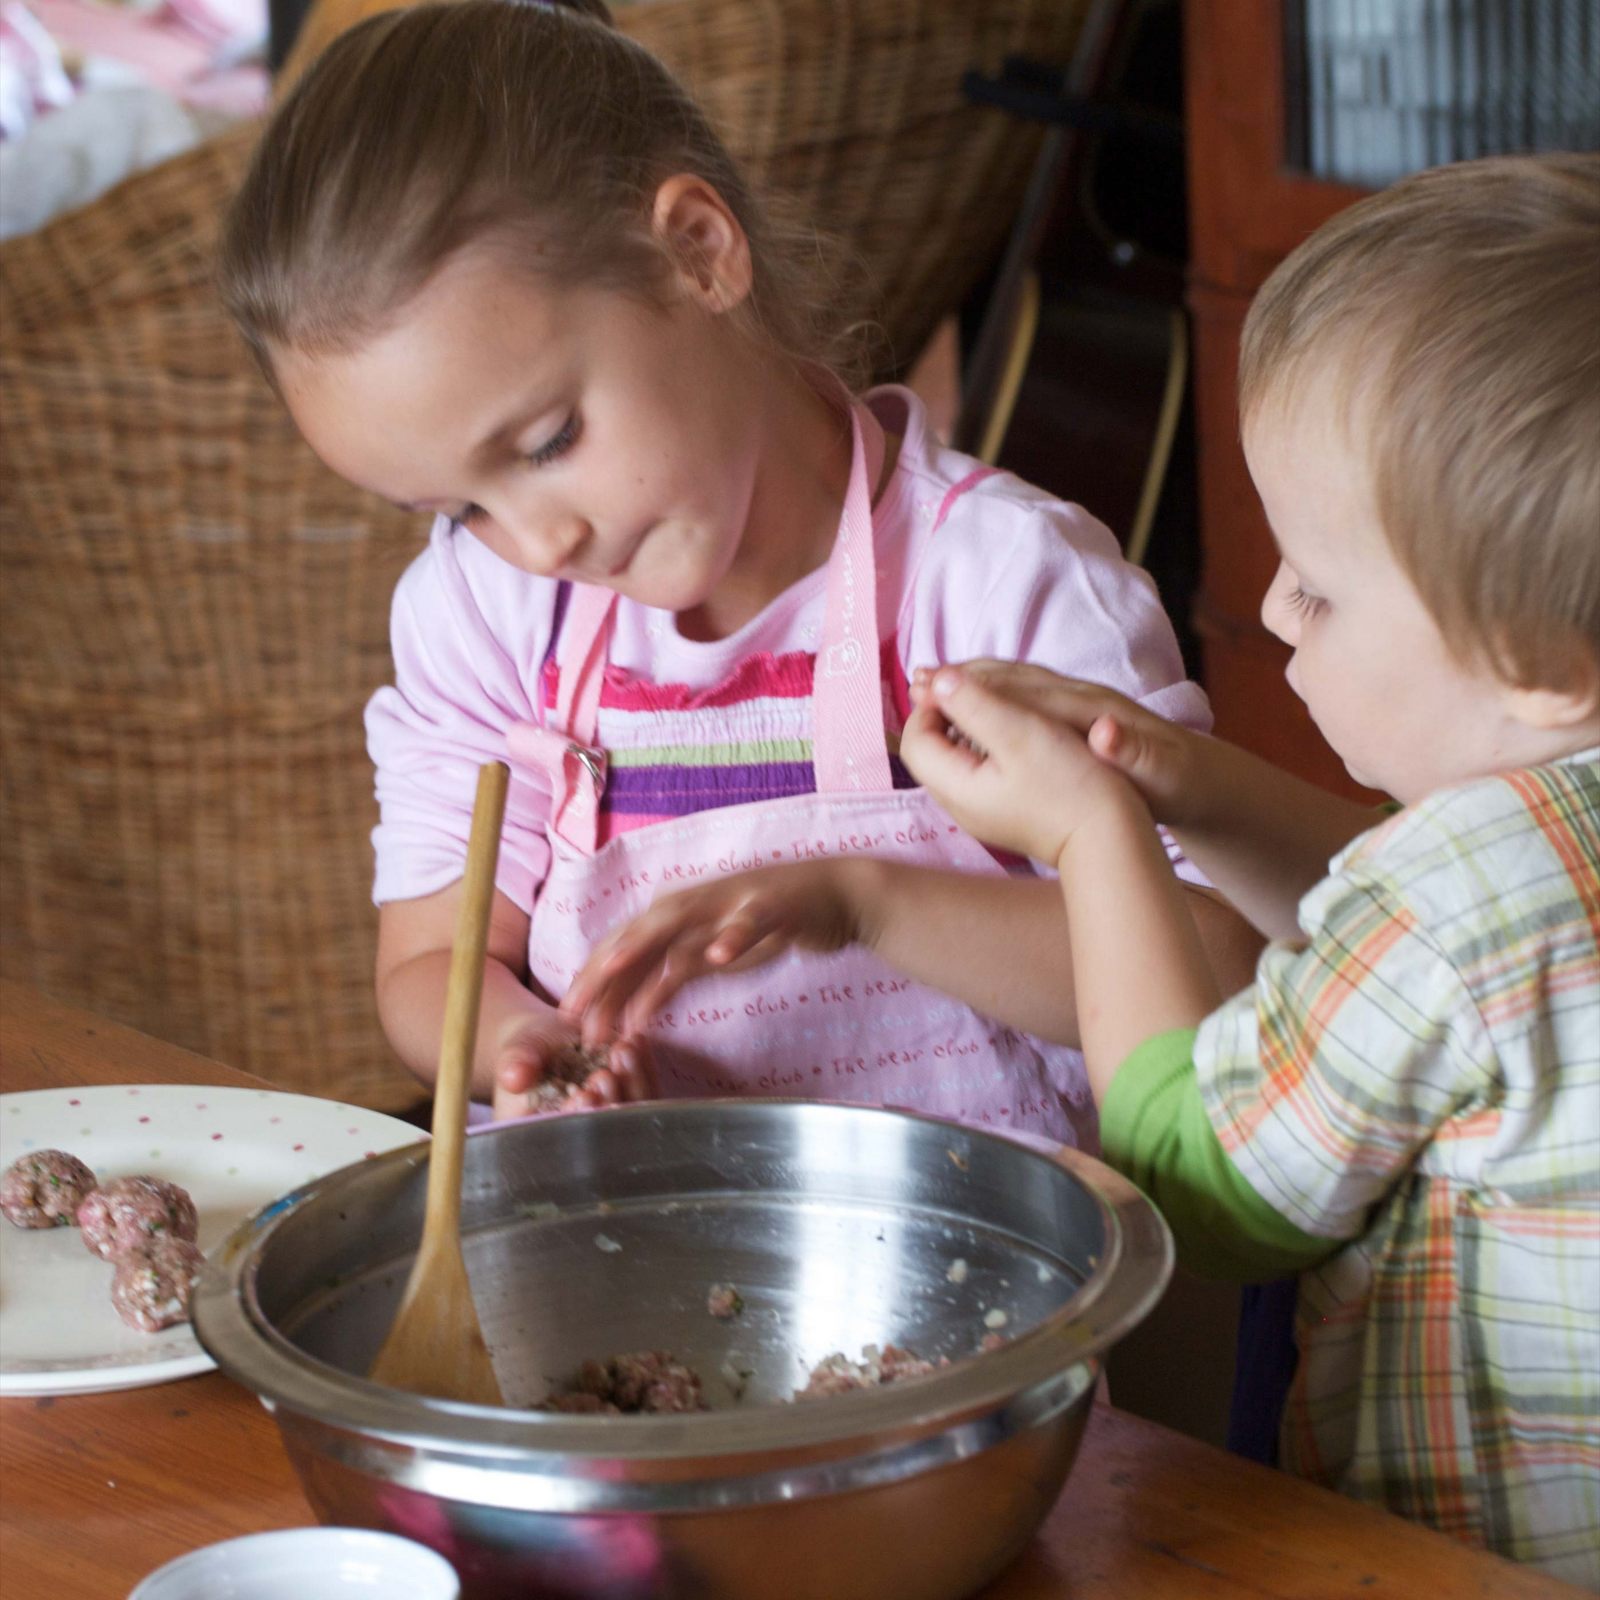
501,271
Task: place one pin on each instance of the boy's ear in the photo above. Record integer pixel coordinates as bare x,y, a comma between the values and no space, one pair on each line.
705,240
1570,699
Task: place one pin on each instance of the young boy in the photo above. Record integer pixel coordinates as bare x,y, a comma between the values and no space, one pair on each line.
1405,1106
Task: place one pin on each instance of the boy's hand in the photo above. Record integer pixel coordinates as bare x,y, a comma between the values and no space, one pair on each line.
727,925
1022,757
530,1042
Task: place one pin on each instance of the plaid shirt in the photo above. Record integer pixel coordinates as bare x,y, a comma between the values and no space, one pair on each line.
1421,1078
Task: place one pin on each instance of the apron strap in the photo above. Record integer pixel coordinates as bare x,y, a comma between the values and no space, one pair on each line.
564,747
849,742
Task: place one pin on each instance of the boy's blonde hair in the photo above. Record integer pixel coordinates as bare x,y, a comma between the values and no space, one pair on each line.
1458,312
534,129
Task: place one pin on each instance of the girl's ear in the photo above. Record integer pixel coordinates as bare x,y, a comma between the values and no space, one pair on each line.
704,240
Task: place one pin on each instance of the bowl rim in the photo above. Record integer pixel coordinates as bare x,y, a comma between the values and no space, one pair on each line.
999,1392
394,1551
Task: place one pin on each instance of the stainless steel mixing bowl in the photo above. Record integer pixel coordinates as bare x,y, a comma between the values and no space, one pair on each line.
597,1235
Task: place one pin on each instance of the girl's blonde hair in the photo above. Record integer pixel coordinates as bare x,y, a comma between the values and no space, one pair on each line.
534,129
1458,316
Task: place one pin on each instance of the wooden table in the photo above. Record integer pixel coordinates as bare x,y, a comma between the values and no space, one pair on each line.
96,1490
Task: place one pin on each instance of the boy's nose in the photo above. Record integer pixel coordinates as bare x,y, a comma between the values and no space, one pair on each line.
1277,615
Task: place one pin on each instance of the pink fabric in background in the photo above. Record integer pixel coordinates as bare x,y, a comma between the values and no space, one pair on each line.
189,48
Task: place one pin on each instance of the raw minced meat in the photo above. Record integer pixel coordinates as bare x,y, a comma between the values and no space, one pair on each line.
838,1374
130,1212
649,1381
567,1071
44,1189
724,1301
152,1284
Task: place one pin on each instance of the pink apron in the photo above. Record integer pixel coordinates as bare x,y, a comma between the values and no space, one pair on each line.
828,1027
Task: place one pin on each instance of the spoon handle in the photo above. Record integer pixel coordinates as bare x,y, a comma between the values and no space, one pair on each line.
463,992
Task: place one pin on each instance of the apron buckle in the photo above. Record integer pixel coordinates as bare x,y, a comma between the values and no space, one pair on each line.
593,761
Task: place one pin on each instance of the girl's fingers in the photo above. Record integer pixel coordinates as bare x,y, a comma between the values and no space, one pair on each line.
599,1089
739,934
520,1068
516,1075
636,1077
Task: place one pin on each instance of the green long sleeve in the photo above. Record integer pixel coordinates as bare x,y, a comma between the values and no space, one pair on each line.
1154,1130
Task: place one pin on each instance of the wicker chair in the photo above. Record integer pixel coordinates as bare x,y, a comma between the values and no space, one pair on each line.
193,610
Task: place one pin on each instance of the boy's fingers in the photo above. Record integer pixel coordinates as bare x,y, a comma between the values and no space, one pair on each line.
1129,749
977,710
1113,743
928,752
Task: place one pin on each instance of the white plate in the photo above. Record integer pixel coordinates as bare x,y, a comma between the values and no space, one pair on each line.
234,1150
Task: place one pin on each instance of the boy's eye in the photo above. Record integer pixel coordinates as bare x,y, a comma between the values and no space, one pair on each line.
557,445
1306,604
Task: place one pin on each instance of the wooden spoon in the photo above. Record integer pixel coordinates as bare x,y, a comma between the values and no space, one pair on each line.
435,1345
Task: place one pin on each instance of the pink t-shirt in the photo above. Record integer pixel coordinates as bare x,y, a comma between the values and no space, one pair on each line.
1012,572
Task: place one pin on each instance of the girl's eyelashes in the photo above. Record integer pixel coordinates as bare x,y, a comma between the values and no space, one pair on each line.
557,445
551,450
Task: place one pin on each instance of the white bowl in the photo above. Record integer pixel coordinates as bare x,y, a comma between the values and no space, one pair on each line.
306,1564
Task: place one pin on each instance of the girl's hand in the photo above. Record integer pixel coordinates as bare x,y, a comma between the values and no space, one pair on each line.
736,922
1022,757
529,1043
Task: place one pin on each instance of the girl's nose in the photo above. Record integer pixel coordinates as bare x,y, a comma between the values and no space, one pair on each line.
546,544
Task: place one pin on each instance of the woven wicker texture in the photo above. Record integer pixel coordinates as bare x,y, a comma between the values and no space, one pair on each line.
192,614
193,611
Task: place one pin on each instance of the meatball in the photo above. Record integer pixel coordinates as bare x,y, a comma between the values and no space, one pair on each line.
568,1070
130,1212
44,1189
152,1283
650,1382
